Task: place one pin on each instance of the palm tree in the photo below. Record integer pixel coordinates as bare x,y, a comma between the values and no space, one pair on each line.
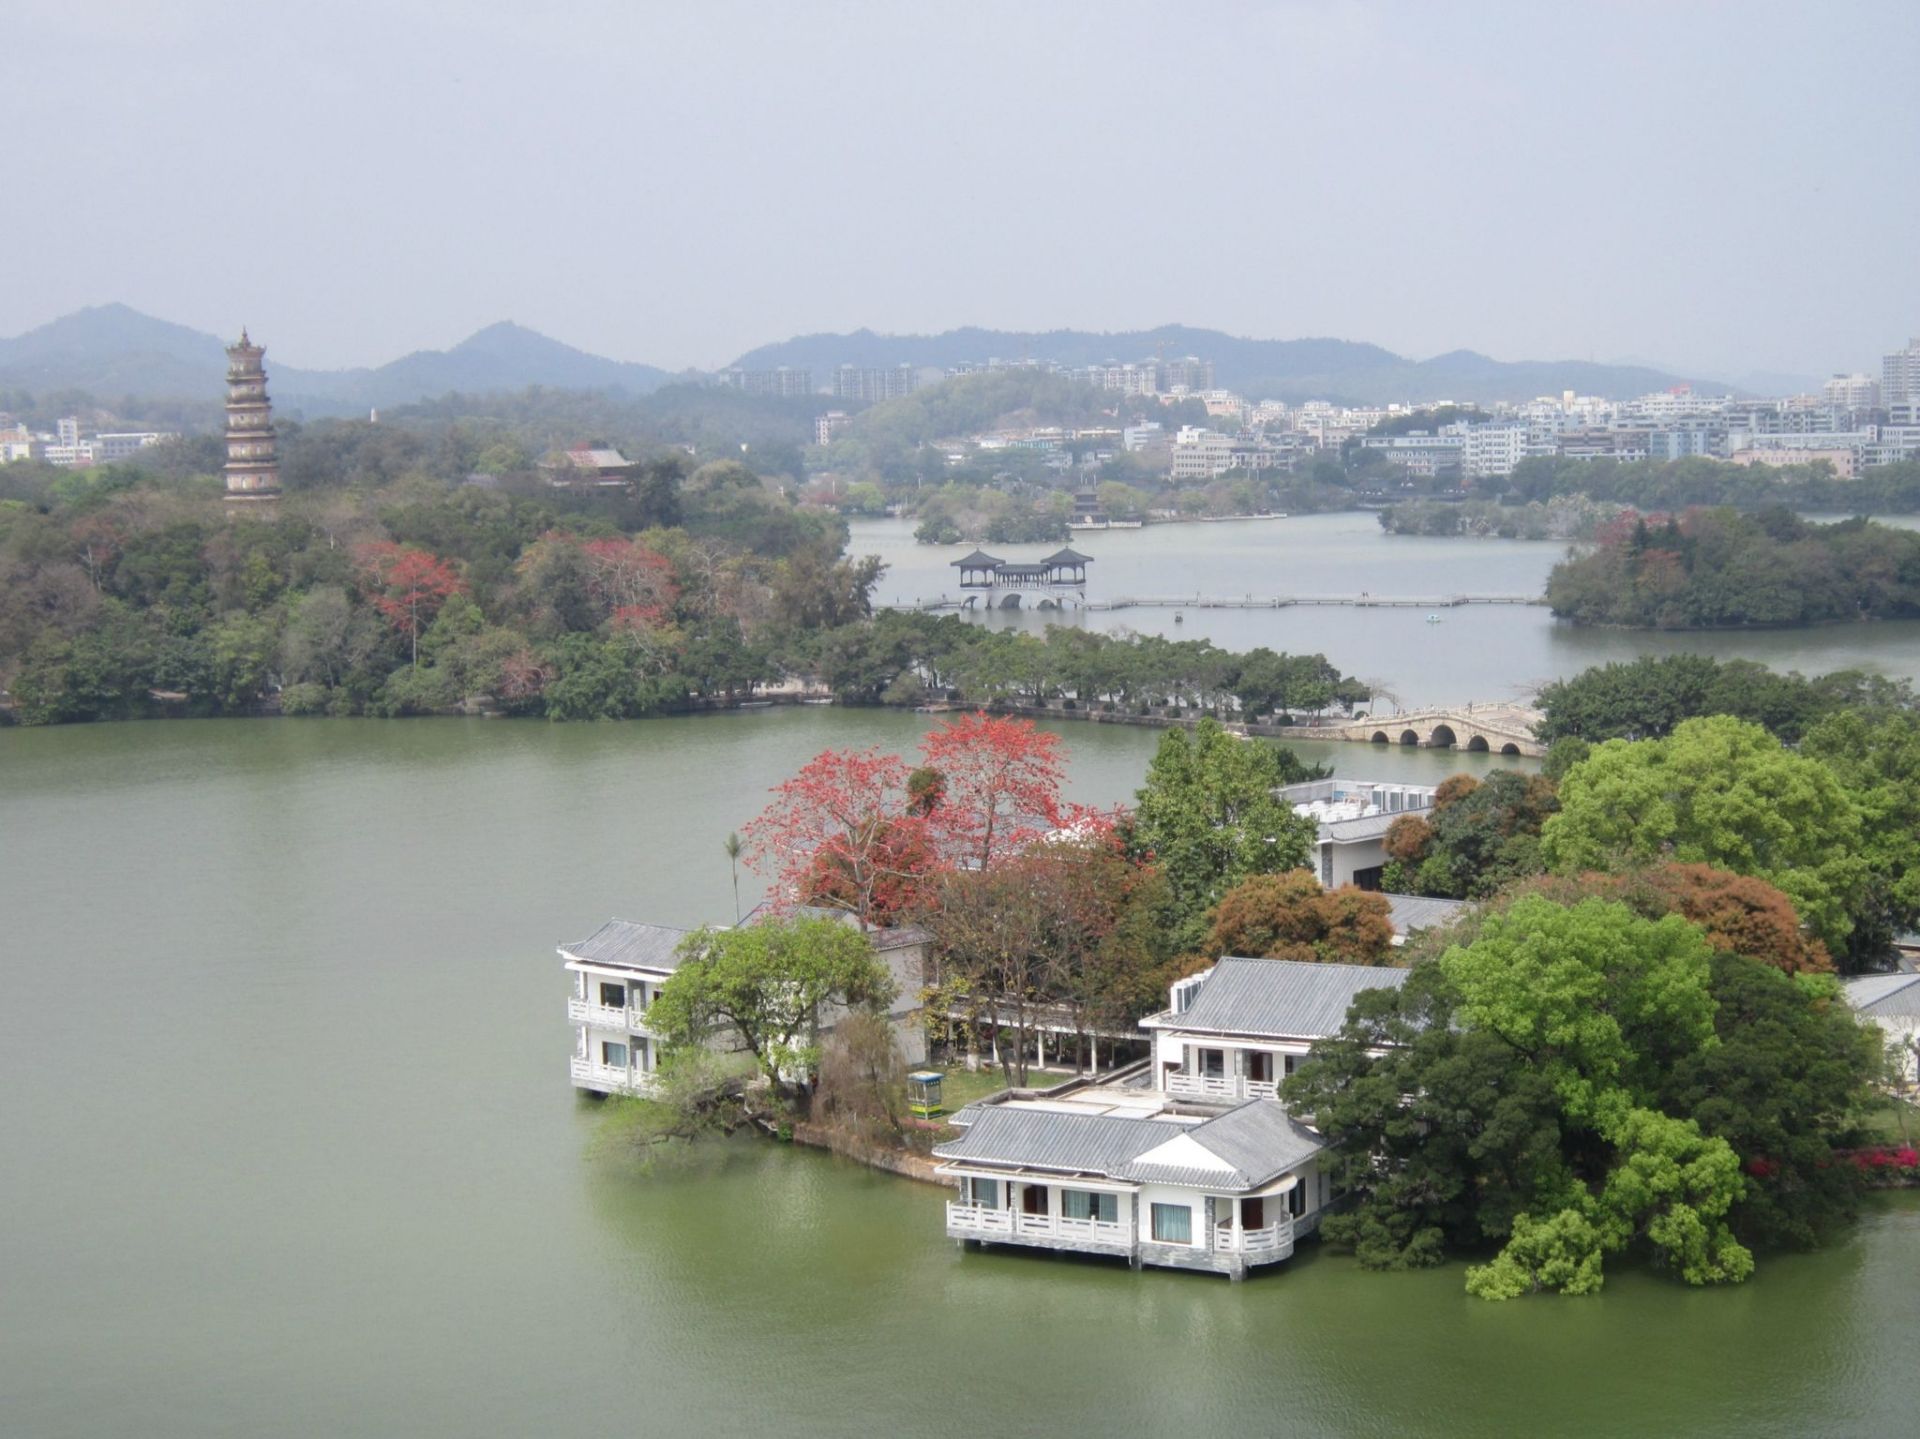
731,844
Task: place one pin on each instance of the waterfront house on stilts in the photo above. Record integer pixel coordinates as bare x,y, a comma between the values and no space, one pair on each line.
1224,1193
1189,1160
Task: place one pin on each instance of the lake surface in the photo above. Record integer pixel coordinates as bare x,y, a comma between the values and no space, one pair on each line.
1484,652
287,1148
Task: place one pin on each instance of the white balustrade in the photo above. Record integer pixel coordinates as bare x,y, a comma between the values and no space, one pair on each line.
978,1219
613,1079
1264,1240
1220,1086
585,1011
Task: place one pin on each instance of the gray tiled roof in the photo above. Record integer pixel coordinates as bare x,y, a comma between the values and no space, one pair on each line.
1259,1139
1885,996
1257,1142
626,945
1284,998
1008,1134
1419,911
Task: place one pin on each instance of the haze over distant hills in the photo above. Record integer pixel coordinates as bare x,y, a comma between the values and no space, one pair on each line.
1345,370
112,351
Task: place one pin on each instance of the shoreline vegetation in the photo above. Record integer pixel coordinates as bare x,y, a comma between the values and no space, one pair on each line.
1634,1046
1726,569
126,594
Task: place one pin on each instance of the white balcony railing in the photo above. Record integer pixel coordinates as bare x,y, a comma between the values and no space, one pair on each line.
1203,1086
978,1219
1266,1240
611,1079
1182,1085
1010,1223
585,1011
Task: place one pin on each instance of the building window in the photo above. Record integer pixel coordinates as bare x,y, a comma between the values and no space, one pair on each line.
1297,1200
613,996
1081,1204
613,1054
1260,1066
1213,1063
1172,1224
984,1192
638,1047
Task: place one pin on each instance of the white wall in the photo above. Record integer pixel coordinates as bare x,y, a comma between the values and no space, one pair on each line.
1152,1194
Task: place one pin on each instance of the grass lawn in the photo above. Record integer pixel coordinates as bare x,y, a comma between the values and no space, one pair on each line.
960,1087
1885,1124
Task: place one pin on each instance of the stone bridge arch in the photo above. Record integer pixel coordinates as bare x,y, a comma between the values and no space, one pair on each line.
1443,737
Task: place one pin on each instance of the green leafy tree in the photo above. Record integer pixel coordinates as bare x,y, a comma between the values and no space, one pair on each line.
769,986
1875,754
1209,818
1723,792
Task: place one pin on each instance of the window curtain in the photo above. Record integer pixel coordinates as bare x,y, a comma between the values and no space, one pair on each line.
1172,1224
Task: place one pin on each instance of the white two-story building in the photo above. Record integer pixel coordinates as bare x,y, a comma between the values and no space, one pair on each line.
1235,1031
1195,1165
617,972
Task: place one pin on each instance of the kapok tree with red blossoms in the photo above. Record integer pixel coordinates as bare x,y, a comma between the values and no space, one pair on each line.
839,834
408,586
999,787
632,580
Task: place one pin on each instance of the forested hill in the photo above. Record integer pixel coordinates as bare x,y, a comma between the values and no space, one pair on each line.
1264,369
110,351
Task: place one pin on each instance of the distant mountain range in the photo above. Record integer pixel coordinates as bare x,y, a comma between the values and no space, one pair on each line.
111,351
1340,370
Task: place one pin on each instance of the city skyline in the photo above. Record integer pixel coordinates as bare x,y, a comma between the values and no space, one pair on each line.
675,187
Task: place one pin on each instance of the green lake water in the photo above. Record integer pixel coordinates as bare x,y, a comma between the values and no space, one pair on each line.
287,1148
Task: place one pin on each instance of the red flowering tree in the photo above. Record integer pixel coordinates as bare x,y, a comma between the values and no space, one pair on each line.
632,580
999,787
407,586
839,834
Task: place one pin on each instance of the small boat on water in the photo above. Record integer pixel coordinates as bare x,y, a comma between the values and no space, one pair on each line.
1433,619
1178,618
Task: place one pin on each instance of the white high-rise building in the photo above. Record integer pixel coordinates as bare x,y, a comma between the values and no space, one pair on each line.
1900,375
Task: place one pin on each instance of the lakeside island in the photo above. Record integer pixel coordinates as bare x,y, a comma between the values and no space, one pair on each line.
1723,569
1634,1044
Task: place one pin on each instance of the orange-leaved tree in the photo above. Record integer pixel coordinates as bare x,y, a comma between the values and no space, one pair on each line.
1289,916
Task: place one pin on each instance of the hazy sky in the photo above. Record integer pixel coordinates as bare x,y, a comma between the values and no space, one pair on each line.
1719,187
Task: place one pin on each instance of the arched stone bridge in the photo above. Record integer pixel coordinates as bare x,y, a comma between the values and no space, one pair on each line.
1500,728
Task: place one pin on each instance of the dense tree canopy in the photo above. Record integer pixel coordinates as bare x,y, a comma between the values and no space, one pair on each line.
1579,1081
1646,697
1720,568
1479,836
1723,792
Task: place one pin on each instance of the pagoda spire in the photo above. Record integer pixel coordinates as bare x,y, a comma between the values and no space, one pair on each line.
253,465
